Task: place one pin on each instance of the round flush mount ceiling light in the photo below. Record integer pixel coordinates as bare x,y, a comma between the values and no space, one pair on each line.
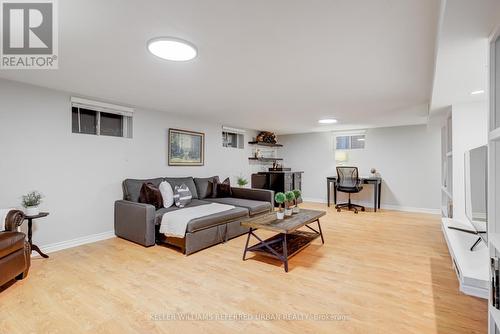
327,121
171,48
477,92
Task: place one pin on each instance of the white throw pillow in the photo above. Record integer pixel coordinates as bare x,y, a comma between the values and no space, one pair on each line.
167,193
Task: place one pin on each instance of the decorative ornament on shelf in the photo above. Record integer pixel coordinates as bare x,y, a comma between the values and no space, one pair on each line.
373,173
280,199
266,137
30,202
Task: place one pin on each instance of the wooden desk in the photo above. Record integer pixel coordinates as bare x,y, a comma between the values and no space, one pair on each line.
377,189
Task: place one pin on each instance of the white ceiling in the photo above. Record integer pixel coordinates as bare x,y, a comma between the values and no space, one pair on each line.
461,65
276,65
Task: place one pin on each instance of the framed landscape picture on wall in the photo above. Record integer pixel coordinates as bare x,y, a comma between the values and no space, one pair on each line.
186,148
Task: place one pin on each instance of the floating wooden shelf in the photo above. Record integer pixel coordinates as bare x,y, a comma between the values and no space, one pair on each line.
260,143
265,159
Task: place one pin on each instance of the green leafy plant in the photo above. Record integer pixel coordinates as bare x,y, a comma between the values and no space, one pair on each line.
280,198
297,194
242,181
31,199
290,197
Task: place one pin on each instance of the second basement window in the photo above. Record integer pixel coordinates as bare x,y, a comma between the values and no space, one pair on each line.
350,142
232,139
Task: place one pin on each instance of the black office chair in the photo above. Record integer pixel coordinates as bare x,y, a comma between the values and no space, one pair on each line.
348,182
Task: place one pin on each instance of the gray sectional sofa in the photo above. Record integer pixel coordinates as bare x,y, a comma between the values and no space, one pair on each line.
140,222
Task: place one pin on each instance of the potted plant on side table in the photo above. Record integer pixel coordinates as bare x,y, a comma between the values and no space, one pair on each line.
290,197
280,199
30,202
297,193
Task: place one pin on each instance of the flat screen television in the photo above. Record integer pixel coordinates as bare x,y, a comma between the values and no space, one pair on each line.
476,189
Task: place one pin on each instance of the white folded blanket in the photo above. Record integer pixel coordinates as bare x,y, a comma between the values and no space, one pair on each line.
3,216
174,223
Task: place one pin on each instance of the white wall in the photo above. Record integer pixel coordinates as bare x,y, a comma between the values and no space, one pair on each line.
81,175
470,130
408,158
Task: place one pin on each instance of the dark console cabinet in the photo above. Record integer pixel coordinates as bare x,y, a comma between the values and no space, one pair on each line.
279,181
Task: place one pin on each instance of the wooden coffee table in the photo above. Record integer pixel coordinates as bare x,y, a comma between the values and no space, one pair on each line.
289,240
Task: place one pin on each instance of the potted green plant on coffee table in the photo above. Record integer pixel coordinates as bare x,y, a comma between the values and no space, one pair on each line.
297,194
30,202
280,199
290,197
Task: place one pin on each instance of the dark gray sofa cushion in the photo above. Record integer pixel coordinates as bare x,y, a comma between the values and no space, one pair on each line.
202,186
159,213
188,181
132,187
216,219
254,207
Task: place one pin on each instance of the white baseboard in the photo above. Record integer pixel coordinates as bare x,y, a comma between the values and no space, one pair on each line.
383,206
406,208
57,246
315,200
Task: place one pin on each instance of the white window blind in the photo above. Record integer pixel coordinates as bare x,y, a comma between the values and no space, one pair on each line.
350,141
102,107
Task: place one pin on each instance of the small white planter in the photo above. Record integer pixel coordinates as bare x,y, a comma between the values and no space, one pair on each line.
296,209
288,212
280,215
32,211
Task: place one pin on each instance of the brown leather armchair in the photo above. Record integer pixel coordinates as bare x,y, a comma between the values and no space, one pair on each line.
15,251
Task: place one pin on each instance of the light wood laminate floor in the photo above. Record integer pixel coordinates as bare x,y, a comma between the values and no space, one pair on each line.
384,272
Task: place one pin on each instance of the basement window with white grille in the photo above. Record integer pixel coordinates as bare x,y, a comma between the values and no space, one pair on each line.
101,119
350,141
233,138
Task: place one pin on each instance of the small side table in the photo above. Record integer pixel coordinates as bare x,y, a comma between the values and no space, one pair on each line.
30,232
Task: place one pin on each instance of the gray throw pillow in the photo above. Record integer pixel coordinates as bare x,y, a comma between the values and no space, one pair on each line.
182,195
